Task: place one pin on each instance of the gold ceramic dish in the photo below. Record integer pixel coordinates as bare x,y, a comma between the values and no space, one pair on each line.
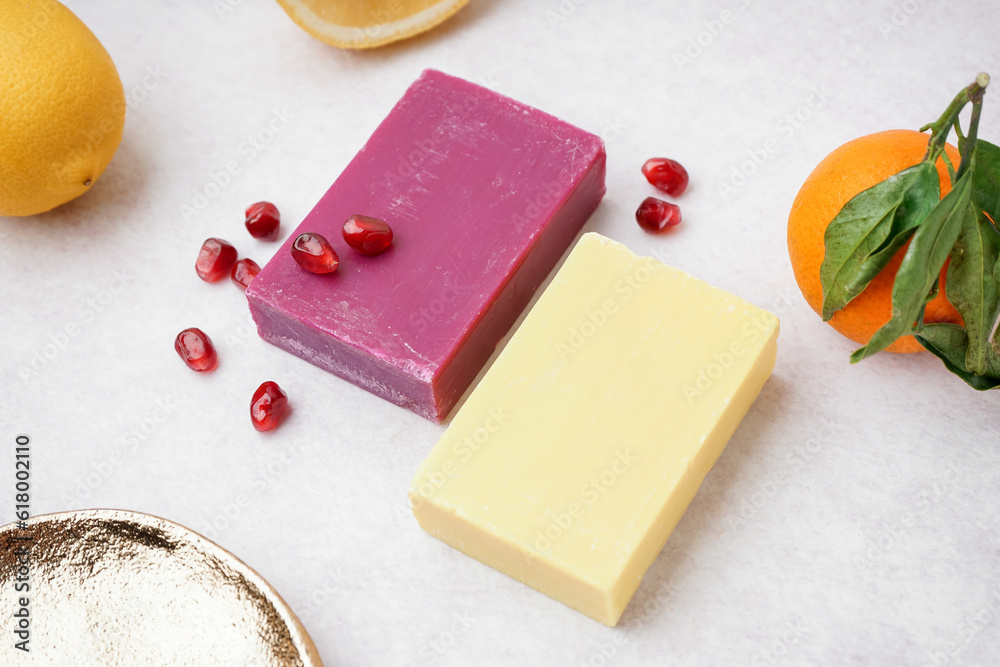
117,588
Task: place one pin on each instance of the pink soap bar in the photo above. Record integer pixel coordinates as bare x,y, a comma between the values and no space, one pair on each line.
483,195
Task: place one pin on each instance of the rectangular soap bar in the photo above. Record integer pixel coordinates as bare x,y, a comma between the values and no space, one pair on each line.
483,194
573,459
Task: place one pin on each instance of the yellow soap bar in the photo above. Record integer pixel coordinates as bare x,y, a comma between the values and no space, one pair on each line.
573,460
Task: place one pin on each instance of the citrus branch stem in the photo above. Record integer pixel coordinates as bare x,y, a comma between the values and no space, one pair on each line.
941,127
970,141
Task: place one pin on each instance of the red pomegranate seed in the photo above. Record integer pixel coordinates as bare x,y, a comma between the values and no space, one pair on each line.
655,215
314,253
196,349
369,236
214,259
666,174
243,272
268,407
263,220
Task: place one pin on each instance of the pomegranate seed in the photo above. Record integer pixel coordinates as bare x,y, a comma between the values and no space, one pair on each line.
263,220
268,407
214,259
314,253
369,236
196,349
666,174
243,272
655,215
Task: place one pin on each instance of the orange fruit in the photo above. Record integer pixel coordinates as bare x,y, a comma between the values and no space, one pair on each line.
850,169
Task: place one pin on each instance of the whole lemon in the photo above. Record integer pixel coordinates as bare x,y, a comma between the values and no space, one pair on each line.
62,107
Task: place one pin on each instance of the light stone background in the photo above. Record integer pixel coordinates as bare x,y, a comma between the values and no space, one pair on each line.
852,518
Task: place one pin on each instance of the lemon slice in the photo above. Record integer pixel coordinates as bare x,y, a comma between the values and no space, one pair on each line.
365,24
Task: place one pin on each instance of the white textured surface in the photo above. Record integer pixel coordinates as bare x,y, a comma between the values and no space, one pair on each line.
851,520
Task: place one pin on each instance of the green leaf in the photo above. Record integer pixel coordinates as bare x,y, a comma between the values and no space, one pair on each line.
908,216
870,228
986,199
971,286
949,342
995,334
922,264
986,180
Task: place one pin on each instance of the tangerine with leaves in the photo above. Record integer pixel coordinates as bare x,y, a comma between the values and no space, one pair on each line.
847,171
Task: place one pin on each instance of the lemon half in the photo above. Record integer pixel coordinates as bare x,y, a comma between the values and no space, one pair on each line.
365,24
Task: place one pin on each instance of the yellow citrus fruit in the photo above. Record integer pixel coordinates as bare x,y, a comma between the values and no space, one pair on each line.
62,107
365,24
850,169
